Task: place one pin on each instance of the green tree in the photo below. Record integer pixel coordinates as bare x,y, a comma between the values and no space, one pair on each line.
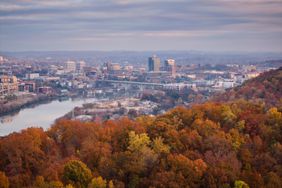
76,173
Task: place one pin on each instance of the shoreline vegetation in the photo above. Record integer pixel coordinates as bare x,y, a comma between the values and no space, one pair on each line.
22,103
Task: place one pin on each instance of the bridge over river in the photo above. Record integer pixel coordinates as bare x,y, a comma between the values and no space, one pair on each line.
127,84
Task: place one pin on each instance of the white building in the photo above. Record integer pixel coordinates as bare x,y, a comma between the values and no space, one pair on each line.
179,86
224,83
32,76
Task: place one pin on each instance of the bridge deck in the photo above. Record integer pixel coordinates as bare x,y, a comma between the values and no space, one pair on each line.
132,83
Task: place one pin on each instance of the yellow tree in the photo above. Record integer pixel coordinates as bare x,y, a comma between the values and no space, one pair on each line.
98,182
76,173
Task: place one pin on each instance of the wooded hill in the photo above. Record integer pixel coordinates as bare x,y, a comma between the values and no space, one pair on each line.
266,88
216,144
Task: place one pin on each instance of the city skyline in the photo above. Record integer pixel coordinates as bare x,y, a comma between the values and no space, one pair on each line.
219,25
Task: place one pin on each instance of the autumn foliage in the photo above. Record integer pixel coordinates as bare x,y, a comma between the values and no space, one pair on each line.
266,88
236,144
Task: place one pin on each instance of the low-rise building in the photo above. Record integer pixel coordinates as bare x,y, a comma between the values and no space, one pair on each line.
45,90
27,86
8,85
31,76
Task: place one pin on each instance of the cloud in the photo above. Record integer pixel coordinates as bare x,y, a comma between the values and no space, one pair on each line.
100,20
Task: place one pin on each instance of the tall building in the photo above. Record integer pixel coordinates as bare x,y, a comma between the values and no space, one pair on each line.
170,66
107,66
80,66
1,59
70,66
154,63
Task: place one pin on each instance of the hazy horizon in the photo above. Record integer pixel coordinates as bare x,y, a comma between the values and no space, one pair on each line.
145,51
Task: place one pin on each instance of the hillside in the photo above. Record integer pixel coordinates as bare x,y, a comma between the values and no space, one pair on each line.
266,88
210,145
217,144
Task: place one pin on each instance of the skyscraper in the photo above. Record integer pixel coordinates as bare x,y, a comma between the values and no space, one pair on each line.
70,66
154,63
170,66
80,66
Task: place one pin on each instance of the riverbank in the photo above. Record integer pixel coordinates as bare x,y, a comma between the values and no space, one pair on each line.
22,102
116,108
39,115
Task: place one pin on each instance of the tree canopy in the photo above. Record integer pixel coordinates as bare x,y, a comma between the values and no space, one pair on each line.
236,144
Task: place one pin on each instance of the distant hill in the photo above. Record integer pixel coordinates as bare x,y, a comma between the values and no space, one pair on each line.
266,88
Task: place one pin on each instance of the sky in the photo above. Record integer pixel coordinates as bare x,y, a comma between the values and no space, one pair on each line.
141,25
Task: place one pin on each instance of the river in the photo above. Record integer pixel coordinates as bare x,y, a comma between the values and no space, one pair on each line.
42,115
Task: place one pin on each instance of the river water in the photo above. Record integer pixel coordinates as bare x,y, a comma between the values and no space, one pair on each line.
42,115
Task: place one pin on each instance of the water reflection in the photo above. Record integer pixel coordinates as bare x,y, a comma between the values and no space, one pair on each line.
42,115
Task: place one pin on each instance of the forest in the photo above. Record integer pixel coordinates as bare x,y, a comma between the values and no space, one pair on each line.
266,88
235,144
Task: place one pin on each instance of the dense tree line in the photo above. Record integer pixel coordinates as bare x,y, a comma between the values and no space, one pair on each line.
266,88
237,144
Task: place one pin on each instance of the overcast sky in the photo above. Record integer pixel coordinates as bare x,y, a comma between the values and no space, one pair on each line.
207,25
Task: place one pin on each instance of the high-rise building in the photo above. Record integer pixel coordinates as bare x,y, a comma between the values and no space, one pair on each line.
107,66
80,66
154,63
1,59
170,66
70,66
